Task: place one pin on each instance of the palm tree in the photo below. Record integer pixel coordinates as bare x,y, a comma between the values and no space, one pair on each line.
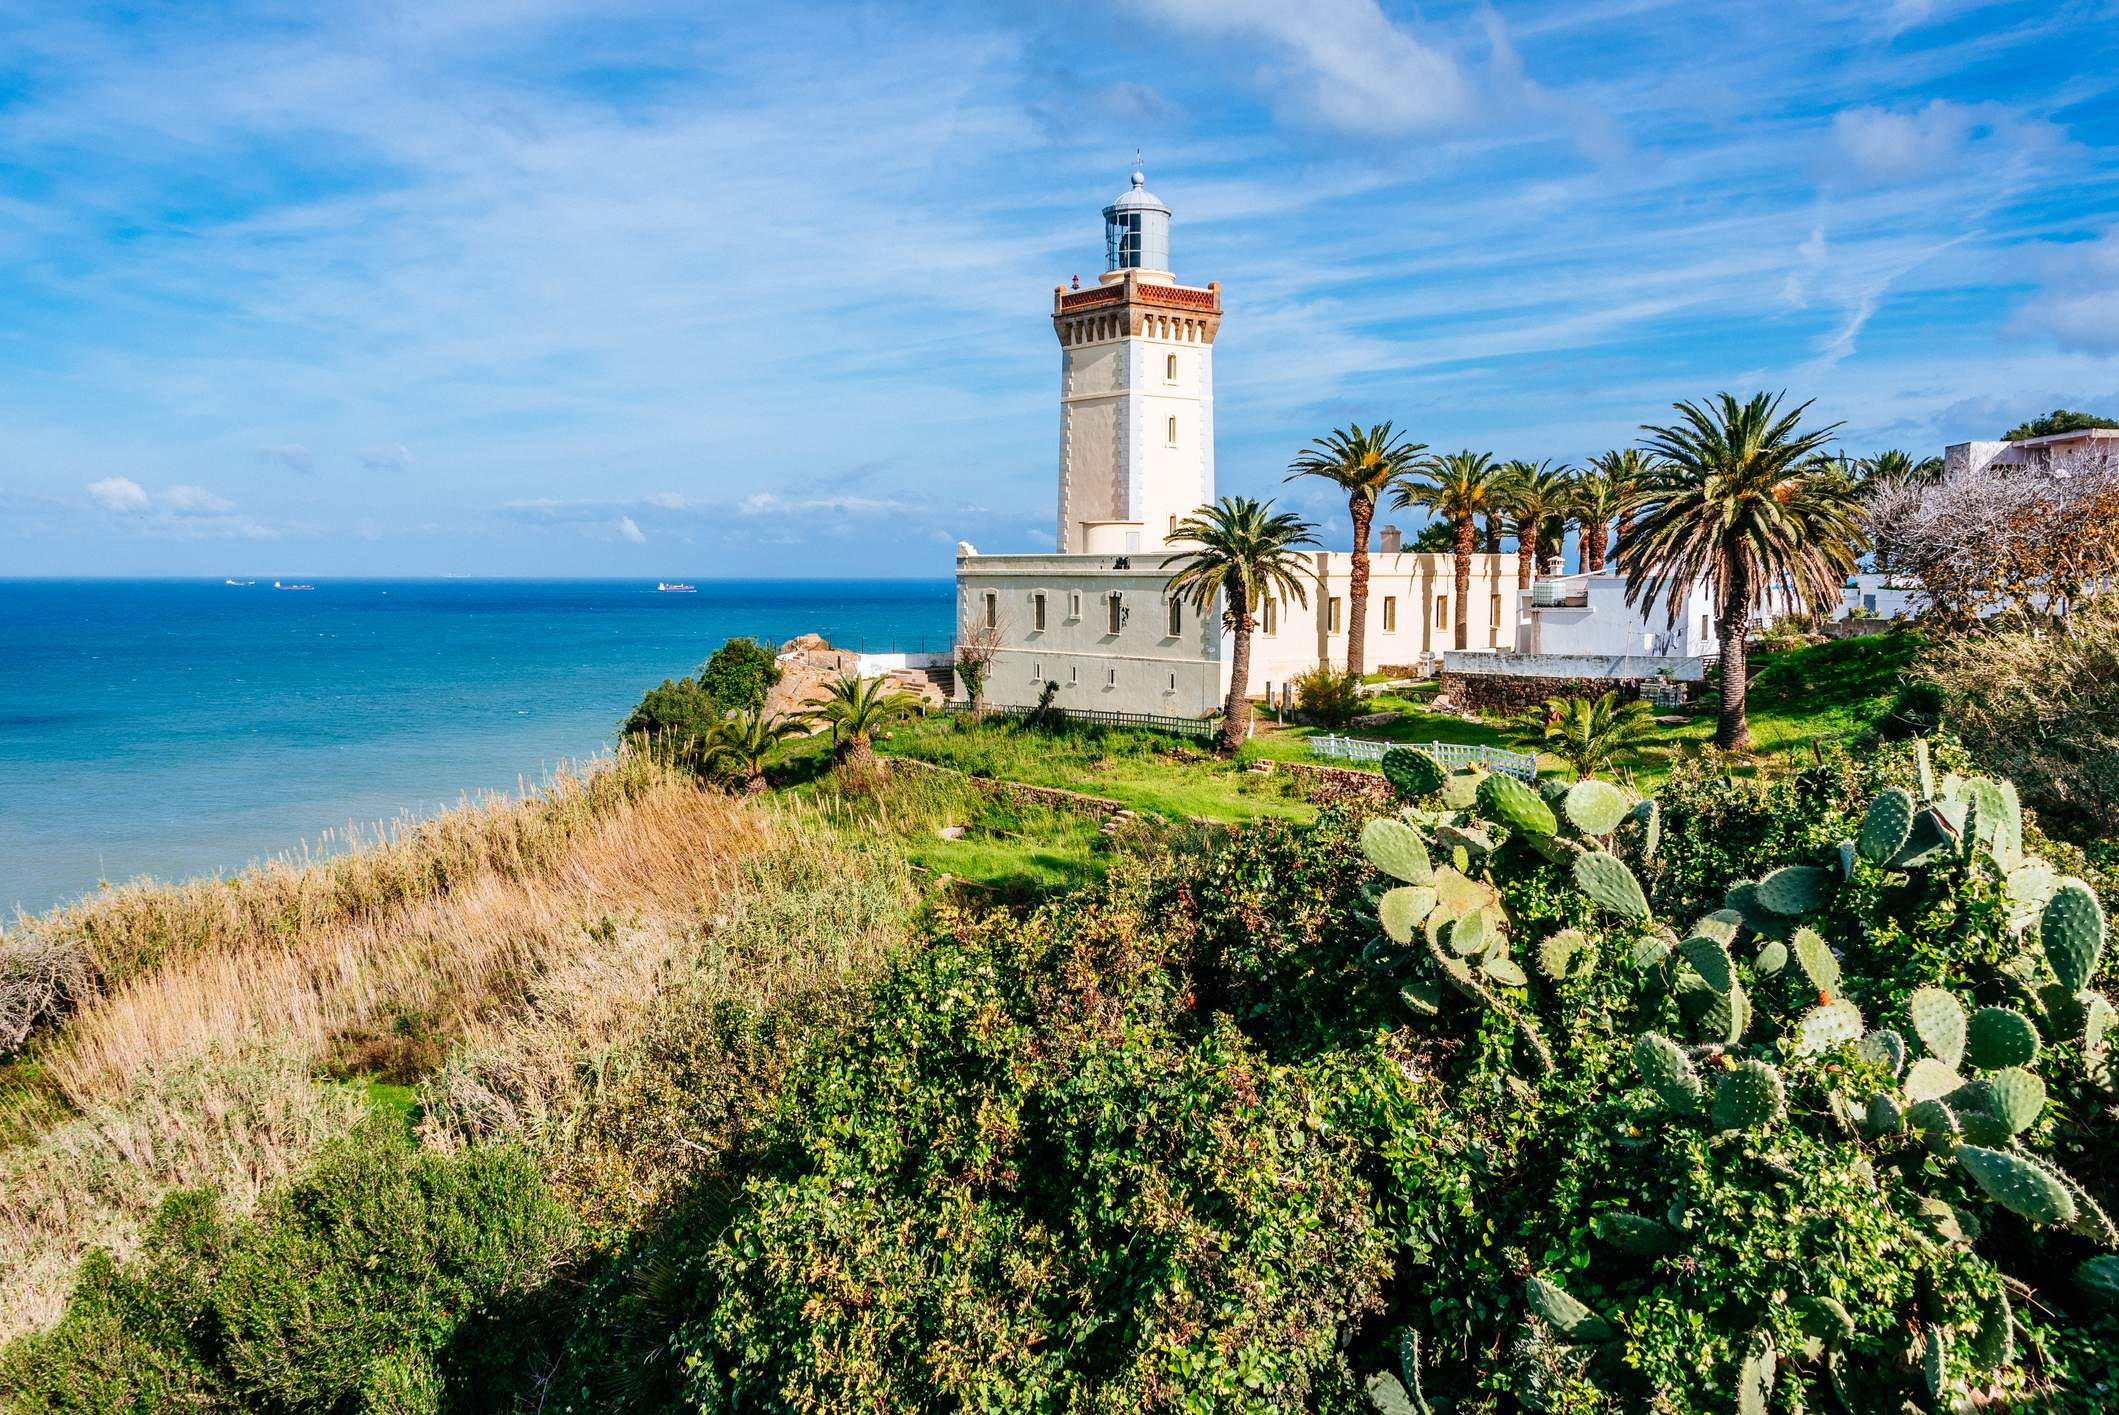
1589,734
1897,468
746,740
1535,497
1244,552
855,707
1362,462
1604,492
1457,488
1742,505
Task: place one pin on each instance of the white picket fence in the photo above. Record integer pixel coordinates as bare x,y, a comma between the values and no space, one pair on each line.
1523,765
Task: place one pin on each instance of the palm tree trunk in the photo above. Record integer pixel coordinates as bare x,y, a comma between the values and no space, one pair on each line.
1732,730
1526,556
1464,582
855,750
1493,535
1236,720
1593,547
1364,510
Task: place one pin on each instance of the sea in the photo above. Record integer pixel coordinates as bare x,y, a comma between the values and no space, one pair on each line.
178,728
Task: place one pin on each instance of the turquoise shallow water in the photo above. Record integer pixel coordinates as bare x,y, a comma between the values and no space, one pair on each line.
178,728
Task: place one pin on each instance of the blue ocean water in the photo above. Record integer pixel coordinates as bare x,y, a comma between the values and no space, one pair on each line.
178,727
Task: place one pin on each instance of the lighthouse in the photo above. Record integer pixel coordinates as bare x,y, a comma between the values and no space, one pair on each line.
1136,451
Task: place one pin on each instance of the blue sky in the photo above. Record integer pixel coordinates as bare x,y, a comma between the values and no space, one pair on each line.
529,287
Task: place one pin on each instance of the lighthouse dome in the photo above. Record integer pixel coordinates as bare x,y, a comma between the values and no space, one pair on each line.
1137,229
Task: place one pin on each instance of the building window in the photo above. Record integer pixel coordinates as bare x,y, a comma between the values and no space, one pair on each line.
1706,629
993,609
1110,678
1442,611
1331,616
1133,540
1037,671
1493,612
1074,676
1271,616
1169,368
1173,531
1173,682
1037,611
1177,618
1074,604
1171,432
1116,609
1390,614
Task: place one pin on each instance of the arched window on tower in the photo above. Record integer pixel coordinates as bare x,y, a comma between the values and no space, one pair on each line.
1169,368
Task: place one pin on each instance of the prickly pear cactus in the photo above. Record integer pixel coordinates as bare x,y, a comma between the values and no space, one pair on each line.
1668,1072
1508,801
1610,885
1748,1096
1885,827
2018,1184
1412,773
1396,848
1795,889
1939,1022
2071,931
1595,807
1999,1036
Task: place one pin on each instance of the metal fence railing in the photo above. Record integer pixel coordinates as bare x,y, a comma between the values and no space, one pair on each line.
1522,765
1201,728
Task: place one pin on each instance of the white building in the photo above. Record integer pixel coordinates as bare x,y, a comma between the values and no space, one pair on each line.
2057,452
1136,457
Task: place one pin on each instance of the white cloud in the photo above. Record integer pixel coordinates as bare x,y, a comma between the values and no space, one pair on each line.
119,494
631,531
668,501
395,457
293,456
768,503
1343,61
1894,147
196,501
2079,306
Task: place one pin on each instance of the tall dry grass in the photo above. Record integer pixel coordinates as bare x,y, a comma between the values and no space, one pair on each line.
235,1119
52,963
202,1067
440,961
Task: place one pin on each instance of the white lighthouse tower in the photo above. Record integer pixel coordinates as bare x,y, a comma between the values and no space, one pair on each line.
1136,389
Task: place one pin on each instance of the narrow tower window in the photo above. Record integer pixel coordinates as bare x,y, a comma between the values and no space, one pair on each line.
1390,614
1116,606
1172,433
993,609
1177,618
1169,368
1037,611
1332,616
1271,617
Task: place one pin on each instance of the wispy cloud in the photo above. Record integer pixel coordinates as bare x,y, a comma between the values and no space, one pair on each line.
122,495
629,530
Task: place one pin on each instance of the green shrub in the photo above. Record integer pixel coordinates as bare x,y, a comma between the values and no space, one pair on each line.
1042,1183
352,1289
1327,696
739,675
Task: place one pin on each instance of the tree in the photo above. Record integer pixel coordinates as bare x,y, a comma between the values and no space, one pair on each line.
976,649
854,708
674,721
1896,468
1244,552
1364,463
1458,488
1612,484
740,674
2059,420
1437,537
744,741
1589,735
1536,495
1742,506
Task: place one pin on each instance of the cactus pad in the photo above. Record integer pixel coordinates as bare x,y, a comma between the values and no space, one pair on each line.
1460,789
1595,807
1508,801
1771,959
1422,999
1396,848
1825,1317
1883,1116
1610,885
1721,924
1885,1048
1469,839
2099,1279
2029,886
1939,1022
1569,1319
1411,772
2072,932
1930,1078
2017,1184
1403,908
1566,954
1468,935
2018,1097
1728,1017
1754,1379
1710,959
1832,1024
1649,816
1668,1072
1998,1037
1795,889
1748,1097
1930,838
1630,1233
1923,770
1886,824
1505,970
1814,956
1935,1123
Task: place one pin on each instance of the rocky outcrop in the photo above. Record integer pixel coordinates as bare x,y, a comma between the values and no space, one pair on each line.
808,666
